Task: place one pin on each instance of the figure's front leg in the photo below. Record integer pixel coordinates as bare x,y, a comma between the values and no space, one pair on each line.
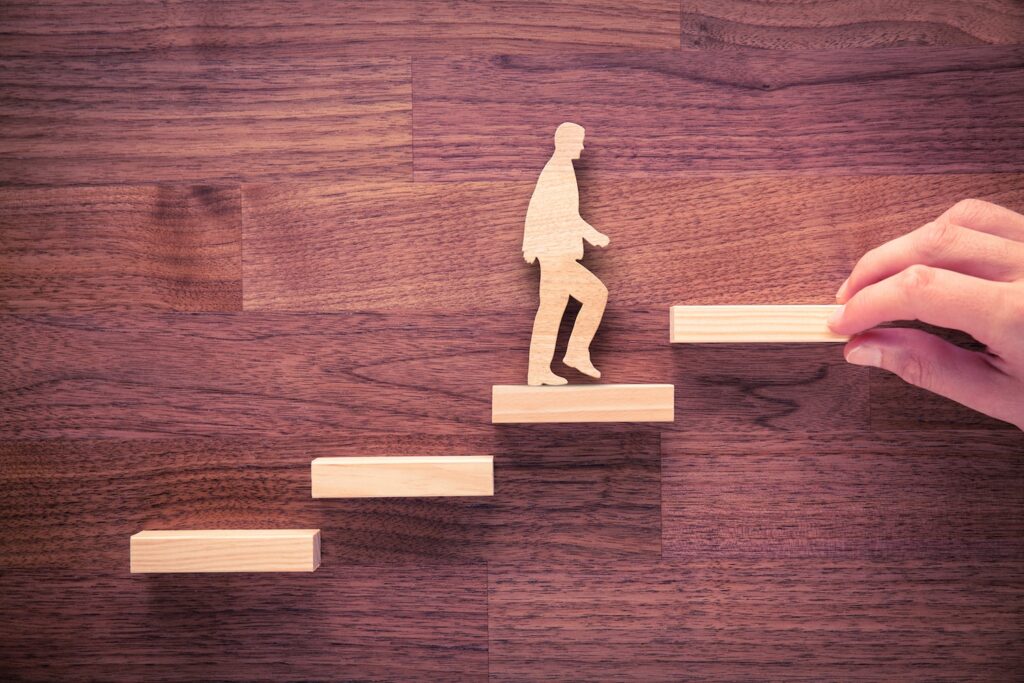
593,296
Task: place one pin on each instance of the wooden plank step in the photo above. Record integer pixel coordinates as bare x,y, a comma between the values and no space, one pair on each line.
403,476
225,550
587,403
743,324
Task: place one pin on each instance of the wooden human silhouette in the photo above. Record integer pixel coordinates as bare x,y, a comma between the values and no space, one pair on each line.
554,236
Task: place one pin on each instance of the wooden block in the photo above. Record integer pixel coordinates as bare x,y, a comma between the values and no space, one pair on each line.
589,403
740,324
225,550
417,476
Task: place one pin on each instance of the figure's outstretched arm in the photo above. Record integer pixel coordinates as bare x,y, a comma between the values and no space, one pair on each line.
593,236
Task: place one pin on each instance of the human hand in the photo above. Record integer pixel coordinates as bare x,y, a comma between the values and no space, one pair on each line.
601,240
965,271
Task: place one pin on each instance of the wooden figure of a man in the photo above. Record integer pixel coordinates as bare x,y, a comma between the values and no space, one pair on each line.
554,236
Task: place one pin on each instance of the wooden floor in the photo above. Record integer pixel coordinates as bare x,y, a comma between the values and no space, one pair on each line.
235,236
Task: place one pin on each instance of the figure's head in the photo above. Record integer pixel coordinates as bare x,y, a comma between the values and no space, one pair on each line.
569,140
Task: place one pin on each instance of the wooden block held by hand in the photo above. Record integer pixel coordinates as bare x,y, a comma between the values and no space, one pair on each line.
587,403
225,550
751,324
403,476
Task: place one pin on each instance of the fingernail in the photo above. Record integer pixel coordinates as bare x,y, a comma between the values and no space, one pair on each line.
865,354
842,289
836,316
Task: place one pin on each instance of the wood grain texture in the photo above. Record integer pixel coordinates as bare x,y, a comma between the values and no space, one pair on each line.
830,24
323,375
341,623
224,550
914,495
751,324
721,620
559,497
705,240
820,521
402,476
511,404
898,406
122,248
694,111
188,116
383,27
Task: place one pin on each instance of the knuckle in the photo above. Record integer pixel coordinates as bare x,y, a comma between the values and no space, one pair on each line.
967,210
938,238
916,279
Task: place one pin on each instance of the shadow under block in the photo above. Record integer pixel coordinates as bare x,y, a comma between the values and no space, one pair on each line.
403,476
743,324
587,403
225,550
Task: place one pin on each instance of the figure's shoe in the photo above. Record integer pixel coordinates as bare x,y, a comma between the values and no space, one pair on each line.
582,363
536,379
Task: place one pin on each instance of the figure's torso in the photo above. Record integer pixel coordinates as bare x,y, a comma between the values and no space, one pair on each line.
553,217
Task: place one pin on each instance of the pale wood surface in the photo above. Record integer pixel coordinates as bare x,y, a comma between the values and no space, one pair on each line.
742,324
403,476
225,550
590,403
554,238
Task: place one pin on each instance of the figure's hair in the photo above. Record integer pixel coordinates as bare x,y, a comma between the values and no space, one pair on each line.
568,133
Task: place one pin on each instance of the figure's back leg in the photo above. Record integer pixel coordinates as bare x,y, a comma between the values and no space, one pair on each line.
593,295
553,299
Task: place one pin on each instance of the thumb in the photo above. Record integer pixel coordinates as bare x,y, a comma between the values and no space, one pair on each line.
924,360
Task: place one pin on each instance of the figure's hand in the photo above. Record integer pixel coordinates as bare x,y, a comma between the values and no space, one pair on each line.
601,240
530,257
964,271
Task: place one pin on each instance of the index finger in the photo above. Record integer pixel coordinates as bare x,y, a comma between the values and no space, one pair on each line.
931,295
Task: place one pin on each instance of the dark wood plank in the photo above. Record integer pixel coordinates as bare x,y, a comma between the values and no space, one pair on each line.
915,495
121,248
692,111
768,387
383,27
558,497
457,246
329,375
765,619
340,623
898,406
203,115
825,24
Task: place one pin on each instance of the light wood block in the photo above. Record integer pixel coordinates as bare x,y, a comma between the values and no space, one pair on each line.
750,324
225,550
589,403
403,476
